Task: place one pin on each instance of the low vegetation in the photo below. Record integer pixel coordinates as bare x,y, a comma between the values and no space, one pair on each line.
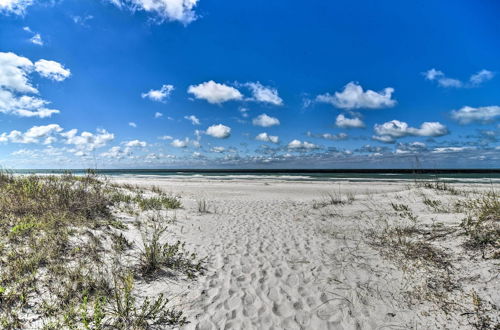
58,235
445,242
482,224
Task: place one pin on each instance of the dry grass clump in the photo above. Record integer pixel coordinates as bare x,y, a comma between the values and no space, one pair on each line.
334,198
407,245
482,224
53,257
438,186
157,254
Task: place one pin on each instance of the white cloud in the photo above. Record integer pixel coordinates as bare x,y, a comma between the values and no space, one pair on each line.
86,141
33,135
264,120
194,120
218,149
468,114
132,124
37,39
384,138
166,137
82,20
441,79
450,149
475,80
17,7
14,80
180,143
297,144
433,74
52,70
215,93
115,152
158,115
267,138
354,97
159,95
24,106
344,122
14,71
264,94
481,76
394,129
244,112
329,136
135,144
219,131
167,10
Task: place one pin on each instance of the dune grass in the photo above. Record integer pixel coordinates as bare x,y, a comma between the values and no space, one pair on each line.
56,236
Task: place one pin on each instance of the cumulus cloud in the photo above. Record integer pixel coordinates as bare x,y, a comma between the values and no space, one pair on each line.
15,84
264,137
166,10
414,147
264,94
115,152
158,115
24,106
180,143
159,95
219,131
14,71
193,119
329,136
215,93
297,144
354,97
264,120
52,70
135,144
36,134
468,114
17,7
132,124
218,149
389,131
86,141
344,122
474,80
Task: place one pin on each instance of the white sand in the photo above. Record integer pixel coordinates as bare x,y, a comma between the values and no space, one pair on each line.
275,262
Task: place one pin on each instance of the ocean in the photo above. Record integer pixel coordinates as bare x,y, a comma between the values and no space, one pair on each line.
449,175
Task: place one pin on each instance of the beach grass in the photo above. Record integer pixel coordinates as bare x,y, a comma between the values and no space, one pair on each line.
58,235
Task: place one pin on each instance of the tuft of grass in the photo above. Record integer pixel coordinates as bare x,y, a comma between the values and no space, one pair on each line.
482,224
404,211
158,202
333,198
157,254
127,313
203,206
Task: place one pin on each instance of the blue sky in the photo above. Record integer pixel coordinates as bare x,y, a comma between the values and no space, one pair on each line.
250,84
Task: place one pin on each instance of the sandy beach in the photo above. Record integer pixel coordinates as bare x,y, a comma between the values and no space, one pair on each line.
327,255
